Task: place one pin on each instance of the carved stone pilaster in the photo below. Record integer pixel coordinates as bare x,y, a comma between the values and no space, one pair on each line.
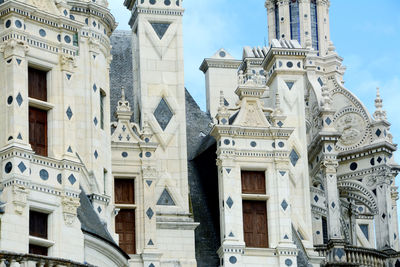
69,206
20,194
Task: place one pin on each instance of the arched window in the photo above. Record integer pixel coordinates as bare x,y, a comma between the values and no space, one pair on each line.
314,24
294,20
102,98
277,28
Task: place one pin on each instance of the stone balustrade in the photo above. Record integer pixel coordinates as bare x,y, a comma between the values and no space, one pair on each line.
10,259
362,257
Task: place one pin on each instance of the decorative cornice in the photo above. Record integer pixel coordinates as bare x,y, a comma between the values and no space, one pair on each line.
219,63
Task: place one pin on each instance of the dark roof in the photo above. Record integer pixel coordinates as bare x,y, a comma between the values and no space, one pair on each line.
203,183
121,73
91,223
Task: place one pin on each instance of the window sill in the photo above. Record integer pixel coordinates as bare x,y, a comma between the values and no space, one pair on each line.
266,252
40,241
36,103
255,197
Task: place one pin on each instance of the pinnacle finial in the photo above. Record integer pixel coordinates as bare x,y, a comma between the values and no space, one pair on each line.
221,99
122,93
123,104
326,94
379,113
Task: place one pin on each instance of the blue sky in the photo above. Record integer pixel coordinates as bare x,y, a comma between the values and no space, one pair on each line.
366,34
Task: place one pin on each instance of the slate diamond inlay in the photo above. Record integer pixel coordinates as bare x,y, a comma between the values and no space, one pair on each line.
99,209
294,157
19,99
290,85
328,121
340,253
72,179
231,234
228,170
284,205
149,182
378,132
316,198
96,155
69,113
229,202
150,243
160,28
333,205
151,265
19,136
329,148
280,124
21,167
69,76
95,121
69,149
149,213
282,173
163,114
165,199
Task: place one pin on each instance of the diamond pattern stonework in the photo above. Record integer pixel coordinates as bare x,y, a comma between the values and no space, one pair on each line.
149,213
165,199
163,114
294,157
229,202
160,28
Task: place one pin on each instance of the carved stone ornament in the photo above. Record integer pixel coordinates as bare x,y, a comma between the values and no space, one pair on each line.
45,5
67,62
352,127
70,205
14,48
330,165
149,172
20,194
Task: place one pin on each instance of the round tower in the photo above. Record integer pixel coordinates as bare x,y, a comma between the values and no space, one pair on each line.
301,20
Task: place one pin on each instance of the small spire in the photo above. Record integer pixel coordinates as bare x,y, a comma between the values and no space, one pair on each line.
221,99
326,94
379,113
123,104
122,93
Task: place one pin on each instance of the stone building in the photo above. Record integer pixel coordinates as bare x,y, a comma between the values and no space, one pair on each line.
108,161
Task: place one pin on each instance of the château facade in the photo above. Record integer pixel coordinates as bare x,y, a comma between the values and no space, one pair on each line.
108,161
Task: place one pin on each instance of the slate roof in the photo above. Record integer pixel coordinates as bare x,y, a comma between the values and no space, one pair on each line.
121,74
91,223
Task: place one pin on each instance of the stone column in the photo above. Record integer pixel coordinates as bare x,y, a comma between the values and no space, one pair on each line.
395,222
67,138
231,221
322,14
270,5
284,13
383,220
15,97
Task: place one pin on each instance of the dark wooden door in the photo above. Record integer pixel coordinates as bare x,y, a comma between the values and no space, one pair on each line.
125,228
253,182
38,130
124,191
37,84
255,224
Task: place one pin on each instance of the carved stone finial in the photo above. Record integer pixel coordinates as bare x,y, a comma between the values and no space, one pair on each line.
123,104
379,113
326,94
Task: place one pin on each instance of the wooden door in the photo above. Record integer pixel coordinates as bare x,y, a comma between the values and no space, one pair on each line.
253,182
37,84
125,228
38,130
255,224
124,191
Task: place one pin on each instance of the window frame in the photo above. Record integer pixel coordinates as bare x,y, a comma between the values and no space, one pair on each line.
256,197
41,104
